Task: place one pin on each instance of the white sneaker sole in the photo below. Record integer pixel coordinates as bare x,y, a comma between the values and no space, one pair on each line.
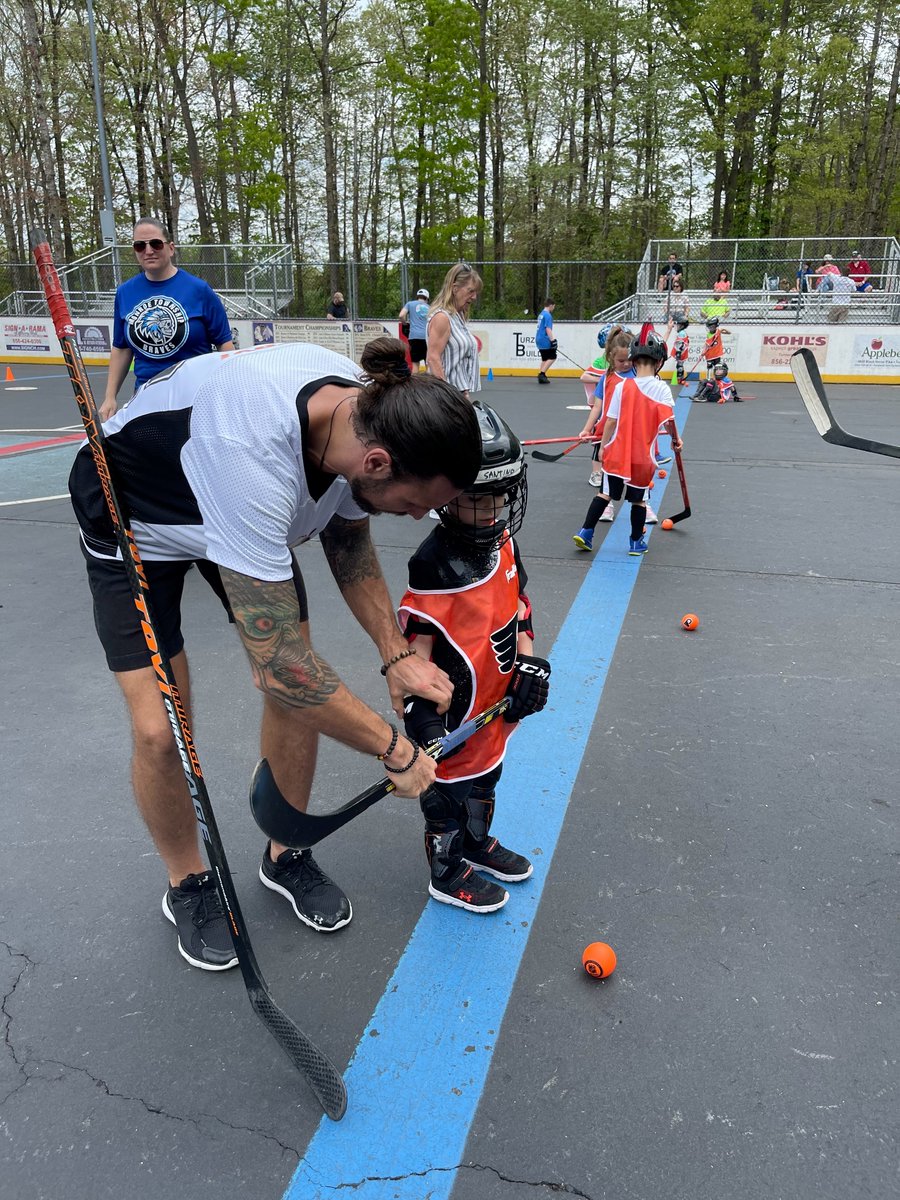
608,514
195,962
276,887
483,870
475,908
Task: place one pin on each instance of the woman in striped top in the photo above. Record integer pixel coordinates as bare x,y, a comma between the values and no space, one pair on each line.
452,347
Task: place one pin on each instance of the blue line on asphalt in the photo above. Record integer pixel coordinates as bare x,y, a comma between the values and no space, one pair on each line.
418,1072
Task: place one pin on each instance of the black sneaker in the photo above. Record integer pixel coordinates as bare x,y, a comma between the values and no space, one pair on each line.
316,899
498,861
466,889
196,911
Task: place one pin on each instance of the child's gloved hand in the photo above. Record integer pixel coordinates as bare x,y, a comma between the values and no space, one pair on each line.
529,687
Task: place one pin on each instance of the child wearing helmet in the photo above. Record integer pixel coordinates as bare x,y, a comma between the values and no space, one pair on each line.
724,385
637,409
467,611
713,353
594,372
681,348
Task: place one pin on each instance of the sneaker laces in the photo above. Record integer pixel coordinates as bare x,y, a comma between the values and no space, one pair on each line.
209,903
306,873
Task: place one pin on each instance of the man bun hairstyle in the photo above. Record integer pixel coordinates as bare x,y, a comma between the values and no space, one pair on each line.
426,425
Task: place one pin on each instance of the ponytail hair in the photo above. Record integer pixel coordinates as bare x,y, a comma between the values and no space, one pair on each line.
426,425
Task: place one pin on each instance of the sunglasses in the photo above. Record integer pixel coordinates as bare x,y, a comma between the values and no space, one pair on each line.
153,243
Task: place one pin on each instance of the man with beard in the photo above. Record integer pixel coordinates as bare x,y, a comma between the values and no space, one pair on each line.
227,461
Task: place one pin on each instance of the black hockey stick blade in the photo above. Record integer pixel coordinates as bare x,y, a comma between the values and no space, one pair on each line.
544,457
808,379
279,820
686,511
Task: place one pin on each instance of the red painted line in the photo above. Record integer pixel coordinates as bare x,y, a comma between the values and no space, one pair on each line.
45,444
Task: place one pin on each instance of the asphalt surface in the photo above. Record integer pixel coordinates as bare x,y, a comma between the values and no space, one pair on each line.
731,832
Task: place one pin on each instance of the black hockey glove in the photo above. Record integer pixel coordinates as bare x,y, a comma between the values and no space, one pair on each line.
422,723
528,689
554,344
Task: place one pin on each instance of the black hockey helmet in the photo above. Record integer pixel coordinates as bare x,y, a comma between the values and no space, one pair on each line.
649,345
712,324
681,323
502,473
720,370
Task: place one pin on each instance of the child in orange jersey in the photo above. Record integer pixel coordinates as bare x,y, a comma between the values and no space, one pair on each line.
466,610
637,409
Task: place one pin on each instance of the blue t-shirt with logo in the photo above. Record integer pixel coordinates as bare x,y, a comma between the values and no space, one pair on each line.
417,311
542,338
164,323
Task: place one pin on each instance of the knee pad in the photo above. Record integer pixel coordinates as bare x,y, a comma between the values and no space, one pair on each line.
438,807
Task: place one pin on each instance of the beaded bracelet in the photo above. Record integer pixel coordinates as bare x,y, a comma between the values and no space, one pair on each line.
390,662
395,737
403,770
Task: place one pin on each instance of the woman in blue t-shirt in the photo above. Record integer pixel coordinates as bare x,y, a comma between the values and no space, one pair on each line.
161,316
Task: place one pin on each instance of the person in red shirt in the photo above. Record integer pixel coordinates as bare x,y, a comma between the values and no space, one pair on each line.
466,609
859,271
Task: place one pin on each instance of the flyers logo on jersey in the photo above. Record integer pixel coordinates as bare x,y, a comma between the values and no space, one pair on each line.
503,643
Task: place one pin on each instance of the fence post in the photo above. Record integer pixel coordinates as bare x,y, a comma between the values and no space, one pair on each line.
404,281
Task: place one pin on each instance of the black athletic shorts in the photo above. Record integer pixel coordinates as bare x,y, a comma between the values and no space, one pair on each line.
547,353
116,618
418,349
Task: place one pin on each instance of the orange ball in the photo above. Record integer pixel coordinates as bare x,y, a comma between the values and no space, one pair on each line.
662,474
668,523
690,621
599,960
651,485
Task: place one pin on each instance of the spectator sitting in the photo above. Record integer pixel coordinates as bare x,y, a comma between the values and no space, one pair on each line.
337,309
670,274
827,268
723,283
803,273
859,271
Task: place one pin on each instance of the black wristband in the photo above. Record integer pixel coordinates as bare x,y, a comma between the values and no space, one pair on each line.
403,770
395,737
397,657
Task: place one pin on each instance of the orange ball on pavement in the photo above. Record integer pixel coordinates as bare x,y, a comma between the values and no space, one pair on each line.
668,523
690,621
662,474
599,960
652,484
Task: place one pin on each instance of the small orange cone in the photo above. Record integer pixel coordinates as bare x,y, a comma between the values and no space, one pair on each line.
10,378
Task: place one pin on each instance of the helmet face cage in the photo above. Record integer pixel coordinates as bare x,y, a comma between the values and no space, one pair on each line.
720,370
502,474
712,324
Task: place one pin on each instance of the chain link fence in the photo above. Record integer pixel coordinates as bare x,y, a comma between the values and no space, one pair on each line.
264,281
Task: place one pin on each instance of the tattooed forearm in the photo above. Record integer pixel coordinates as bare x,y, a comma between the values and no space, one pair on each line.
350,553
284,664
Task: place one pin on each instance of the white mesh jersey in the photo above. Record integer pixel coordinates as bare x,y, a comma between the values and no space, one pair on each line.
208,460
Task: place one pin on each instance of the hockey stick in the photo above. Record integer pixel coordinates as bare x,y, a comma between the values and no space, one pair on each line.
318,1070
806,374
544,457
571,360
548,441
287,825
686,512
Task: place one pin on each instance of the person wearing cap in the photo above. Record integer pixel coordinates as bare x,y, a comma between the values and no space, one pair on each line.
414,319
859,271
827,268
337,309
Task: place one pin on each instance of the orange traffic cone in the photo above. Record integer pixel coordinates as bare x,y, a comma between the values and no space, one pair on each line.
10,378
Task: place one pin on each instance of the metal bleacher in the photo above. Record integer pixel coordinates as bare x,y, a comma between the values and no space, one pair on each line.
763,276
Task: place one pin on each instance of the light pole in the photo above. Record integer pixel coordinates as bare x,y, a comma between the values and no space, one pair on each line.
107,215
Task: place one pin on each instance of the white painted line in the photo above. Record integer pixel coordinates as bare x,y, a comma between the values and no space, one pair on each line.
579,407
19,389
34,500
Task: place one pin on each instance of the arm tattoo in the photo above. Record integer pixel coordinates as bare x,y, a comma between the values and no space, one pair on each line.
284,664
350,553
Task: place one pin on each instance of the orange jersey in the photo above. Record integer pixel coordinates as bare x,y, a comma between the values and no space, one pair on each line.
610,381
476,630
629,452
714,347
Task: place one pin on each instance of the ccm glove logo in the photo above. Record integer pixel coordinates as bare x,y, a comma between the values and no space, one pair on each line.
528,689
